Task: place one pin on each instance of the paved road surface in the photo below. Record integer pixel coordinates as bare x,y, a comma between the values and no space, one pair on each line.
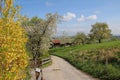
62,70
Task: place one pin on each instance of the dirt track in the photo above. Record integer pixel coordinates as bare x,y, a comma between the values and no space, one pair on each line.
62,70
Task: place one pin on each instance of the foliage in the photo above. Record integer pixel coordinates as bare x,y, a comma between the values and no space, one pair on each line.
39,32
80,38
100,31
13,57
100,60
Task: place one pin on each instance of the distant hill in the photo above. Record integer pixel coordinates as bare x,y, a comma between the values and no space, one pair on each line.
116,36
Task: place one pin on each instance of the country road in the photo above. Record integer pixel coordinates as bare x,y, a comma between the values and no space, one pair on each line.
62,70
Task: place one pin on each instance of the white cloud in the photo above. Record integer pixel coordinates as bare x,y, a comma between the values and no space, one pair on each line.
83,18
92,17
69,16
115,28
48,4
71,29
97,12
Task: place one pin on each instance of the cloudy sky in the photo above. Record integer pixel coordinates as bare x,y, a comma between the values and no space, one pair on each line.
78,15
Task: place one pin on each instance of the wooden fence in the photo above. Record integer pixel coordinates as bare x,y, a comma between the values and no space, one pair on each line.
33,63
46,60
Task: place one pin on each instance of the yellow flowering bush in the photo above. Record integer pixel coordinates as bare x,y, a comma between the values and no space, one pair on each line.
13,56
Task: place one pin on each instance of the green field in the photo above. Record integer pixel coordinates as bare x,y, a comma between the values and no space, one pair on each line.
100,60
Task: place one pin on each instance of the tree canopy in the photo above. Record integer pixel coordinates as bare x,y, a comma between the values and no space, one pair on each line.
40,32
80,38
100,31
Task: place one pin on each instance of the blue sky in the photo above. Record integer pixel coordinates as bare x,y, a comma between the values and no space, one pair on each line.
78,15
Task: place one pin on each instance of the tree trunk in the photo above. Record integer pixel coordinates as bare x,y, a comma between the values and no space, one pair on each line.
82,42
106,61
100,40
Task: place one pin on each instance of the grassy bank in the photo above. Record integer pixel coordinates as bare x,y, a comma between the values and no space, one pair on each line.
100,60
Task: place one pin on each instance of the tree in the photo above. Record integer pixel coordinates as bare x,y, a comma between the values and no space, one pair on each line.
100,31
80,38
39,32
13,56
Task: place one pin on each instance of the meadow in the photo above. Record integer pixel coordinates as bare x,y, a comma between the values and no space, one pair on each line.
101,60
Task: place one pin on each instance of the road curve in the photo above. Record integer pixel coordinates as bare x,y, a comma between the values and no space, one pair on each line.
62,70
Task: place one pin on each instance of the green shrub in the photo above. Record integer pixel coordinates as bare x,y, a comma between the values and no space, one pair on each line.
112,73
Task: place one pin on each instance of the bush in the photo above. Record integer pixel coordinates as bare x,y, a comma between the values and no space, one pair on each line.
13,57
112,73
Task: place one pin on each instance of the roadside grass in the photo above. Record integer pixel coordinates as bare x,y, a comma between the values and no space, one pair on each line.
100,60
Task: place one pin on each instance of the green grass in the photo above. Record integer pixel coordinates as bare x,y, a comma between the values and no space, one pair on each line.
96,68
105,45
64,51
